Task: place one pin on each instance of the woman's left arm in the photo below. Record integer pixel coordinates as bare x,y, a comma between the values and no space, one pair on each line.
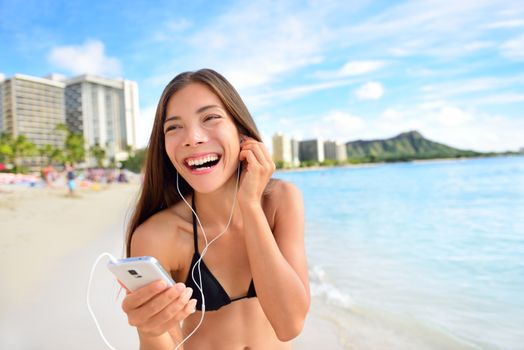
277,258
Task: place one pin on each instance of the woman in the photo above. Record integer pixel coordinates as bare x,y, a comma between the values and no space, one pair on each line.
254,278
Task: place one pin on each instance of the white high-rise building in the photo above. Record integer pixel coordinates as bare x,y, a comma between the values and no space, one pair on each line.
334,150
285,150
33,107
311,150
104,111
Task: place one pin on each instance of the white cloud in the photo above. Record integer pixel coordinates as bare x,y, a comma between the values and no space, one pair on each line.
144,125
257,100
254,44
459,88
450,116
179,25
338,126
360,67
496,99
353,68
514,48
89,57
439,121
451,125
510,23
428,27
391,114
172,30
370,91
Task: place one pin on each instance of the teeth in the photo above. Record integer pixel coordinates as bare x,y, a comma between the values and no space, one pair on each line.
200,161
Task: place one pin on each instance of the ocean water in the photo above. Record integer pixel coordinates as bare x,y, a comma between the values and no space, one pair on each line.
422,255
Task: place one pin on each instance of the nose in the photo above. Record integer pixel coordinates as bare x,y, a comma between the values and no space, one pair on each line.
195,136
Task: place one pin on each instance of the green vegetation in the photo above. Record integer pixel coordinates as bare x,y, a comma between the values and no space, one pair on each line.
136,161
309,163
99,153
404,147
12,150
73,151
51,153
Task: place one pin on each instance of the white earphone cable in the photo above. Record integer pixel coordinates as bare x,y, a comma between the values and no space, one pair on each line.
204,250
199,285
88,300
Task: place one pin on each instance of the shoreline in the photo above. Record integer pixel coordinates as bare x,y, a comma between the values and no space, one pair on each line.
376,164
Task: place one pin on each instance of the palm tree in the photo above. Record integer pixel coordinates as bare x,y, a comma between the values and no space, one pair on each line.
74,151
6,149
53,154
99,153
14,149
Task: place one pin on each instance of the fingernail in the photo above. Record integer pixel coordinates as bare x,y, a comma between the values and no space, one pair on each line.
160,285
188,292
180,287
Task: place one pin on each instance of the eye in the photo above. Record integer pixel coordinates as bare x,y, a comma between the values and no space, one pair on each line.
210,117
171,127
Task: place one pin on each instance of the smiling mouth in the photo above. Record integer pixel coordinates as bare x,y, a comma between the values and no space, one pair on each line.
203,163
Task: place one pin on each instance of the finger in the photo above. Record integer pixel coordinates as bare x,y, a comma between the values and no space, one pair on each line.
266,153
249,157
143,295
171,311
164,299
180,316
258,151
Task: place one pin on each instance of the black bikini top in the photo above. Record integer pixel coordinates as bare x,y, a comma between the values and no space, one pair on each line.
214,293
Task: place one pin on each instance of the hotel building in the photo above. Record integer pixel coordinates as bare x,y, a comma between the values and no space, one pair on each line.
104,111
335,151
285,150
311,150
33,107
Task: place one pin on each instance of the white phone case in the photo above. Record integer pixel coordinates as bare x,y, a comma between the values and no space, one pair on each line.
139,271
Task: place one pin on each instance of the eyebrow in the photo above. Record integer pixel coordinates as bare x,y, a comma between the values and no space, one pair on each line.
200,110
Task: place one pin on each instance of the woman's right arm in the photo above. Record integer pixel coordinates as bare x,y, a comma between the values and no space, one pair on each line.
156,310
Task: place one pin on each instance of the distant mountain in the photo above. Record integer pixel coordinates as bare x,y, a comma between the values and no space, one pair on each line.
406,146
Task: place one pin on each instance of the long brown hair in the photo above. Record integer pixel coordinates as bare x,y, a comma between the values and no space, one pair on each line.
159,186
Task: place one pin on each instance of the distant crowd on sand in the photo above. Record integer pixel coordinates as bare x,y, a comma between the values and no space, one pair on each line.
69,176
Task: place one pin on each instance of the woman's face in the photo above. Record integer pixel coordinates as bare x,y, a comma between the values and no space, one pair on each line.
201,138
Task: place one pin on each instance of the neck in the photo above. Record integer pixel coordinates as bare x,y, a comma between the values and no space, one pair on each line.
214,209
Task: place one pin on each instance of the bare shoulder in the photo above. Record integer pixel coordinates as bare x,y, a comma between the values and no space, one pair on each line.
282,192
281,197
165,236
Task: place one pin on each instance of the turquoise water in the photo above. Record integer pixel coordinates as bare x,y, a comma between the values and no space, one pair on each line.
429,250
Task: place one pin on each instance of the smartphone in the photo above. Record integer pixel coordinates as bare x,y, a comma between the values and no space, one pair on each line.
137,272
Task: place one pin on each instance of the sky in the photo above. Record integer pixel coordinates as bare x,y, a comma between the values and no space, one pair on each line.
335,70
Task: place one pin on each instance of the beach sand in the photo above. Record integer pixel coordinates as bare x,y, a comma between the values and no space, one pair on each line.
48,243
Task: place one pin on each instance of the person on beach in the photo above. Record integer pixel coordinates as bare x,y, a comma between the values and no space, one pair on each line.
48,175
70,176
254,277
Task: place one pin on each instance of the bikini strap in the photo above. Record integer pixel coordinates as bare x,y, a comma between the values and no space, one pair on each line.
195,232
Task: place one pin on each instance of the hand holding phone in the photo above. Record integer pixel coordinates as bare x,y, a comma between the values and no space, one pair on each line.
138,272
